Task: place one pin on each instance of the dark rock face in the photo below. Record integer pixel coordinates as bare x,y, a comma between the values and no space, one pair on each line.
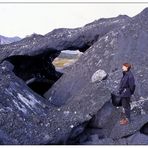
125,44
33,55
28,118
103,116
138,139
63,39
94,140
21,110
119,131
37,71
144,129
75,103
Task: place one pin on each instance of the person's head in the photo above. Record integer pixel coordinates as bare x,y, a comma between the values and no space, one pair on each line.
126,67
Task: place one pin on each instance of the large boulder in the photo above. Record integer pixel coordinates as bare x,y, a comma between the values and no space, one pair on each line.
98,75
144,129
22,111
94,140
119,131
106,116
125,44
63,39
32,56
28,118
138,139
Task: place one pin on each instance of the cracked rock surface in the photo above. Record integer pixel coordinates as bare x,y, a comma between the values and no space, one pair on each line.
73,109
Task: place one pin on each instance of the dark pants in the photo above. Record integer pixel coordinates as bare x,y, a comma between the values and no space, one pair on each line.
125,101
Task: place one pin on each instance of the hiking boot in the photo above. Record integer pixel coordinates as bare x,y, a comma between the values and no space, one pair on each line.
124,121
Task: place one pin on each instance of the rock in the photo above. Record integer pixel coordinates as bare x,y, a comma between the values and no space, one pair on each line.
106,118
138,139
138,111
18,107
96,141
96,131
122,141
28,118
109,52
144,129
111,126
32,56
63,39
103,116
144,104
76,133
5,139
94,137
8,40
120,131
98,75
37,71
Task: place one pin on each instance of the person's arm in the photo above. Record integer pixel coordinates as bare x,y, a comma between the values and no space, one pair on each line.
120,90
132,84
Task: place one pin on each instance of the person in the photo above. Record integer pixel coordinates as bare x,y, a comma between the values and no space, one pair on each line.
126,90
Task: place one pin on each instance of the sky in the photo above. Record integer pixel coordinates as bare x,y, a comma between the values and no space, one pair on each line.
22,19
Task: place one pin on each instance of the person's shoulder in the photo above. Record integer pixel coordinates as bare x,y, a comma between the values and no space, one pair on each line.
130,73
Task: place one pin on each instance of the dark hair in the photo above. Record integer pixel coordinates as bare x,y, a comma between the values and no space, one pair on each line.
127,65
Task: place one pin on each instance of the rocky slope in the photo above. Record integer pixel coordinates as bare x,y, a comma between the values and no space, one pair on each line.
77,107
8,40
125,44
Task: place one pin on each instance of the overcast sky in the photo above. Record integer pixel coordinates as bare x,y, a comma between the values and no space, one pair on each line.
25,19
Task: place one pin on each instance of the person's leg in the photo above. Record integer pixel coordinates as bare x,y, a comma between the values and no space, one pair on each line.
126,106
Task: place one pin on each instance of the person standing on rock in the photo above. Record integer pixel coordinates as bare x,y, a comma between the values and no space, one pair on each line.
126,90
